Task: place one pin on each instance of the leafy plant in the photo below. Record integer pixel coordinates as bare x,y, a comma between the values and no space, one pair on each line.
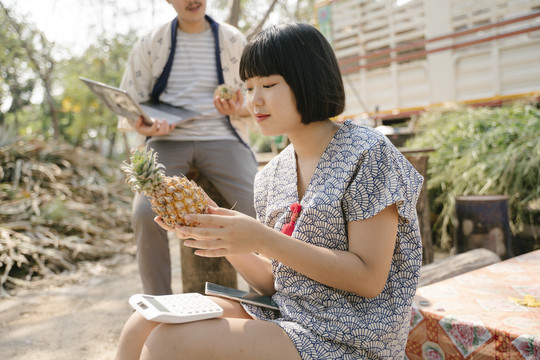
266,144
481,151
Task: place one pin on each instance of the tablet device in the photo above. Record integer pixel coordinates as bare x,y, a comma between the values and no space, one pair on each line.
240,295
122,104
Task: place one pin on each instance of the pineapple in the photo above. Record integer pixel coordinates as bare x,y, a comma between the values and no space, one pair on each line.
171,197
226,92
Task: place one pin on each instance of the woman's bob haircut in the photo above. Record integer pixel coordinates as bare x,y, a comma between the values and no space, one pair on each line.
302,56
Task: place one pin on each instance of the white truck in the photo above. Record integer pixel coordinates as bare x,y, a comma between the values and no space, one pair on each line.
399,57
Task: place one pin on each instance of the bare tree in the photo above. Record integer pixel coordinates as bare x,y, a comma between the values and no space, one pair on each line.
245,15
234,16
261,23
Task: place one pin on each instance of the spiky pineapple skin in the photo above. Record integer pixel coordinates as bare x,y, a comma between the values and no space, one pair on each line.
175,197
171,197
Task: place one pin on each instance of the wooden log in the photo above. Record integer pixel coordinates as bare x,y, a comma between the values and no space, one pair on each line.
197,270
420,163
456,265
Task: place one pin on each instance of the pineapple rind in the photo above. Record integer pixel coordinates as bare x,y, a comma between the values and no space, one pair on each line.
171,197
167,205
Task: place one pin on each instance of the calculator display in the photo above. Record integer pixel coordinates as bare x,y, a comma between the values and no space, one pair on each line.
156,303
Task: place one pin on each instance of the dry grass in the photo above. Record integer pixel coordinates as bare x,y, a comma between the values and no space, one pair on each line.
59,205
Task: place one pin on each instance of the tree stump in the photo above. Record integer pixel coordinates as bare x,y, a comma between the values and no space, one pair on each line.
420,163
197,270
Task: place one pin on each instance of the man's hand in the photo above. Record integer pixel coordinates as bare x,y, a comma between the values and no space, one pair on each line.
158,127
231,107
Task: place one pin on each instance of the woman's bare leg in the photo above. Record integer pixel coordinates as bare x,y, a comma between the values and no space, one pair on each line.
137,329
222,338
231,308
133,337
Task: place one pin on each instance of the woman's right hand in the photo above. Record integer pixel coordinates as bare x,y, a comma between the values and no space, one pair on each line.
223,232
159,127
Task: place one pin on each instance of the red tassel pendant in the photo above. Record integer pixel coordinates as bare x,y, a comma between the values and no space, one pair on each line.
288,229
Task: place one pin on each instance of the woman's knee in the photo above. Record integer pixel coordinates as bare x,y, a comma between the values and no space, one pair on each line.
137,328
169,341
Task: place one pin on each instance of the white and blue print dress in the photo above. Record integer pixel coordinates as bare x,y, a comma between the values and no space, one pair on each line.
359,174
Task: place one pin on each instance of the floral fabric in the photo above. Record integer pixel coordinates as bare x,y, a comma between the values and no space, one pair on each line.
359,174
476,316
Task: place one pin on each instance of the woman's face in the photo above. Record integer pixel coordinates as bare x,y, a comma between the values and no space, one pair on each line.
272,104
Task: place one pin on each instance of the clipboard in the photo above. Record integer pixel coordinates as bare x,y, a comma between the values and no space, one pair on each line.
122,104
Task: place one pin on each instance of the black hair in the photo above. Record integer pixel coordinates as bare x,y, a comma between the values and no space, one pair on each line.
304,58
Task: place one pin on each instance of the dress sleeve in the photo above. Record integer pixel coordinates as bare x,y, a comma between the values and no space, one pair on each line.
383,177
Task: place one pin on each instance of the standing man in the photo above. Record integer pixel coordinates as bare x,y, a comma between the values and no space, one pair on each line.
181,63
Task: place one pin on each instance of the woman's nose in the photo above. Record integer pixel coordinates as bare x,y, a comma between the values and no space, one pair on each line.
255,99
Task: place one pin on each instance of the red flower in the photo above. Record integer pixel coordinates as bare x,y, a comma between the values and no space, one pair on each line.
464,334
432,354
480,331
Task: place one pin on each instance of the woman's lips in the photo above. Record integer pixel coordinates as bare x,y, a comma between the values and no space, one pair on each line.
261,117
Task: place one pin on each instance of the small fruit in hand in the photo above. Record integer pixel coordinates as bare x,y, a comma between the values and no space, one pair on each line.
172,197
226,92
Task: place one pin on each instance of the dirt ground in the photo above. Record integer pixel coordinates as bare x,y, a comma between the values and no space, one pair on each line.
74,316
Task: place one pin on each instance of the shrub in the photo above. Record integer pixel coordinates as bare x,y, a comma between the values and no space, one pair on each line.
482,151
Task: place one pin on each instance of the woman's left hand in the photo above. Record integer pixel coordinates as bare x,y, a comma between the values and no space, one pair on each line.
221,232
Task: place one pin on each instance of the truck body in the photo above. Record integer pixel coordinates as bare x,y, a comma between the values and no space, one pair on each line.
400,57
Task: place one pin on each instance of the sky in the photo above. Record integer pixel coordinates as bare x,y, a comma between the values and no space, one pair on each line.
75,24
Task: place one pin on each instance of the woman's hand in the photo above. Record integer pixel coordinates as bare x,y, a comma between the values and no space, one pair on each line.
221,232
159,221
158,127
229,233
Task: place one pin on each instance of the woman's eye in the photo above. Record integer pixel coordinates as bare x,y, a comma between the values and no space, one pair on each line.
268,86
249,89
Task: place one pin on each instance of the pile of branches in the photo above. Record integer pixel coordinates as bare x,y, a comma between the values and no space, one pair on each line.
59,205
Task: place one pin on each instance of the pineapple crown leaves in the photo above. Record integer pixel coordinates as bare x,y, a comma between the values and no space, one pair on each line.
144,173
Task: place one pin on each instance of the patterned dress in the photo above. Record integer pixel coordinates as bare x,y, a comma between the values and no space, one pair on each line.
359,174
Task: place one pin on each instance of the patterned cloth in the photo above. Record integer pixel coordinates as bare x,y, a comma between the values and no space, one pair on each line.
359,174
475,315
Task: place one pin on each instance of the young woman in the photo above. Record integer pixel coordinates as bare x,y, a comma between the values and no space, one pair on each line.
336,242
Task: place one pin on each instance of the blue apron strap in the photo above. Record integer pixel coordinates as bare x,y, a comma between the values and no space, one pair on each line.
215,31
161,82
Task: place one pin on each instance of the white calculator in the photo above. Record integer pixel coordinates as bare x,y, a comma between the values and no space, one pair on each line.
177,308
